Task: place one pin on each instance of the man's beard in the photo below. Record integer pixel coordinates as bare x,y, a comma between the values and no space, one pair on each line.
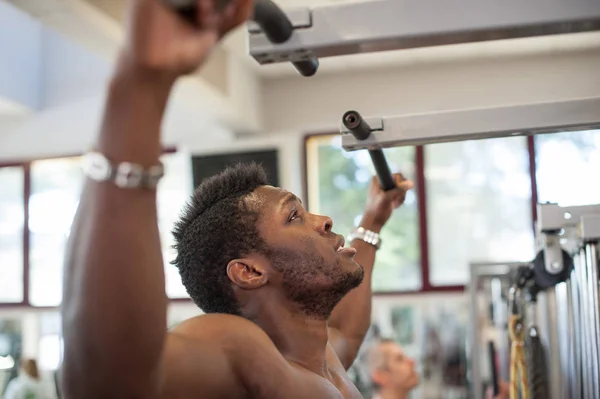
312,284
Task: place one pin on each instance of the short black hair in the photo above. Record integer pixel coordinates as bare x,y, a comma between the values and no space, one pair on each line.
215,227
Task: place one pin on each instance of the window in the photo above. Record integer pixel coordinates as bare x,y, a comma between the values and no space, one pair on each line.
173,193
567,166
337,186
50,346
56,185
478,206
12,214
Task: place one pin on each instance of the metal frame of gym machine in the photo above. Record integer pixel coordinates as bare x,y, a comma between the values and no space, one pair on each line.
496,273
302,35
567,312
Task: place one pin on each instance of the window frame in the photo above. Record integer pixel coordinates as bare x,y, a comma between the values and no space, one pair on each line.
426,286
26,166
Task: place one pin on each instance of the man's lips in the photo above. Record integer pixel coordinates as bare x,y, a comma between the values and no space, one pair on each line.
340,249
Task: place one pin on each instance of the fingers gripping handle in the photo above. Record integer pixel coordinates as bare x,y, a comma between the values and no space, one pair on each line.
361,130
188,10
271,19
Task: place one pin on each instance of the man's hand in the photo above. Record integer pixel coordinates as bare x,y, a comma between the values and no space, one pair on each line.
160,41
502,394
381,204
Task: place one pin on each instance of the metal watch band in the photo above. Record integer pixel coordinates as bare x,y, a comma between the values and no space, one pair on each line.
368,236
125,174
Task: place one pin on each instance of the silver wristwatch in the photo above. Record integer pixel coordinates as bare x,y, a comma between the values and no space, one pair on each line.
125,174
368,236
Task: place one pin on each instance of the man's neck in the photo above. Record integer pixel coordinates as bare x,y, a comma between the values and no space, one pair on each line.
391,394
301,340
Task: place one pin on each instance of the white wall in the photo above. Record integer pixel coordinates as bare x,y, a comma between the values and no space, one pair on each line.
20,66
318,103
70,73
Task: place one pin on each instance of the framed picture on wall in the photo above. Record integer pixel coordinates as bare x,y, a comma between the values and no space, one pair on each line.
204,166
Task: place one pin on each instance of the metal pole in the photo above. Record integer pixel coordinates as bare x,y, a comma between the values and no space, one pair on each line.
476,383
591,252
575,338
562,327
580,268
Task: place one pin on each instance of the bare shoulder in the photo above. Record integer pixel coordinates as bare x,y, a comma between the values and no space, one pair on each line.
216,355
235,335
215,325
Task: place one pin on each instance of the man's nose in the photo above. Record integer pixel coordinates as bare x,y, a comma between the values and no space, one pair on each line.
324,224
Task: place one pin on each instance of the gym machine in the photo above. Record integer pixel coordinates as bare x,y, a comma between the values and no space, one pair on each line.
274,25
546,312
473,124
569,238
302,35
385,25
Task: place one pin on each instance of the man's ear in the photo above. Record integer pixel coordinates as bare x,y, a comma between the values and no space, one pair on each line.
247,273
379,377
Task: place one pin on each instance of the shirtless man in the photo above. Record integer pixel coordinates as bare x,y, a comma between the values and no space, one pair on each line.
287,307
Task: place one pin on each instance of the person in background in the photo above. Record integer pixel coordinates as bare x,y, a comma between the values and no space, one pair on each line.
28,384
392,372
503,391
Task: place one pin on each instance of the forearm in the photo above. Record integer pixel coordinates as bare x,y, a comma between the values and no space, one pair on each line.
114,305
352,316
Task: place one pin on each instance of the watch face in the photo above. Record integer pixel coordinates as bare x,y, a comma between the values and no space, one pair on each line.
97,166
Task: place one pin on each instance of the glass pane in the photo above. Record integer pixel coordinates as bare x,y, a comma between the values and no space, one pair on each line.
55,189
11,234
50,346
478,206
173,193
567,166
337,187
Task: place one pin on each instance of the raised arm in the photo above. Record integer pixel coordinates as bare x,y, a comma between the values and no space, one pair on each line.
351,318
114,304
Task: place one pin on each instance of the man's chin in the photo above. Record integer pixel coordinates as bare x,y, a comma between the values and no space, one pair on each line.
355,275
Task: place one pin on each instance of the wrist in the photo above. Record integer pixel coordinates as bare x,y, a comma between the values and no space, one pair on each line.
129,72
135,106
369,222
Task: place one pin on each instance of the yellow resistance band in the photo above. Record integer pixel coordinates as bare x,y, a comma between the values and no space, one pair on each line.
518,371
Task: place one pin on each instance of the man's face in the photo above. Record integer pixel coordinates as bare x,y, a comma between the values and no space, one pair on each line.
399,371
312,267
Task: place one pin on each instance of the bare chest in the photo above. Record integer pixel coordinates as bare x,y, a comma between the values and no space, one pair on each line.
298,383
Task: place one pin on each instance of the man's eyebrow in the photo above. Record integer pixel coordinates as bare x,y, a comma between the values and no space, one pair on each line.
289,198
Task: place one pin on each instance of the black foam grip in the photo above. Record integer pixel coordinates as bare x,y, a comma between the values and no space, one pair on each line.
273,22
386,180
537,372
307,68
360,129
187,8
355,123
